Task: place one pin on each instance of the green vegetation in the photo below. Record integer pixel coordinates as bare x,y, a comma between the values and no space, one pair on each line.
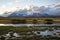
21,30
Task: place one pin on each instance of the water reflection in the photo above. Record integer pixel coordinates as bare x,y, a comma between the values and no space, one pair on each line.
29,24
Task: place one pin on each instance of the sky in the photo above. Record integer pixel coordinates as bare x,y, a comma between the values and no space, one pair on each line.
12,5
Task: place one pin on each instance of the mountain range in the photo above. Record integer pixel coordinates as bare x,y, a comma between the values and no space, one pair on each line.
35,12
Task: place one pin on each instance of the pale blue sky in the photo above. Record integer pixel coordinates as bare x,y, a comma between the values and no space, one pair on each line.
27,2
10,4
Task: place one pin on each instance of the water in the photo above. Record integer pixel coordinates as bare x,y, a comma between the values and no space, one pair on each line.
29,24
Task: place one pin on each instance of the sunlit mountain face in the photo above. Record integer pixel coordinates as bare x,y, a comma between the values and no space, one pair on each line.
30,8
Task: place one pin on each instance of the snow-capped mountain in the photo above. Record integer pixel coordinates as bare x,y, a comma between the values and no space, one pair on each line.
36,12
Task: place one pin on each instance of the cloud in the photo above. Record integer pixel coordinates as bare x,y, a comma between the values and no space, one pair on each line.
58,3
10,3
18,0
36,9
16,8
8,7
3,6
28,7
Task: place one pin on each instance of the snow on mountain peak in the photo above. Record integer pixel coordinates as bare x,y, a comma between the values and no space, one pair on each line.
35,11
